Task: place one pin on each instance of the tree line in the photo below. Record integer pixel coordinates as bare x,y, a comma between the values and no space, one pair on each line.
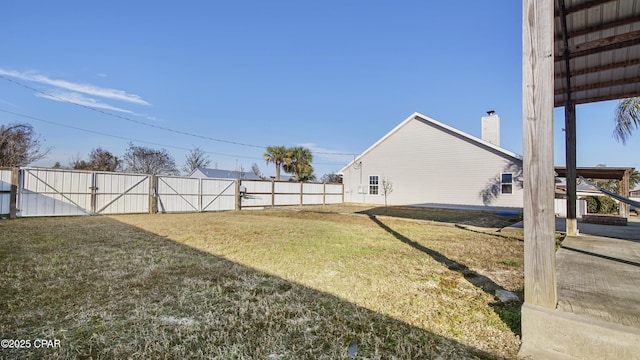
21,146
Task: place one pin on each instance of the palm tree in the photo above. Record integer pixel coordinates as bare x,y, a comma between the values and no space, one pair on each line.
299,163
278,156
627,118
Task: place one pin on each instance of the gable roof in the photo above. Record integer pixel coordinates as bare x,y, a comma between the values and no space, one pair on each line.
226,174
421,117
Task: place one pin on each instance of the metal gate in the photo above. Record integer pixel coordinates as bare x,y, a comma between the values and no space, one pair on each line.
48,192
5,192
55,192
179,194
116,193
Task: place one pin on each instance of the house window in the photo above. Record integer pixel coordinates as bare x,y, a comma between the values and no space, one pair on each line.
506,183
373,185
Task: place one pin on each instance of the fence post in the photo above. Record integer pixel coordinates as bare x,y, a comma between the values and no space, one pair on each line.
324,193
301,193
238,196
153,203
200,203
13,197
273,193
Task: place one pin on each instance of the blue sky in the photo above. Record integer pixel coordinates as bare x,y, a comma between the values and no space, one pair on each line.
232,77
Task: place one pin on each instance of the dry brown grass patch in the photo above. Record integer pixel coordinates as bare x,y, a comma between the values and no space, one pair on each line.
259,284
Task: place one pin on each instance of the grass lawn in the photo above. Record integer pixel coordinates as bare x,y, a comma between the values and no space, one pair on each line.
301,283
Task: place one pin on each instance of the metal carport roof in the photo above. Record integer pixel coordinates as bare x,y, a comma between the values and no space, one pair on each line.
599,42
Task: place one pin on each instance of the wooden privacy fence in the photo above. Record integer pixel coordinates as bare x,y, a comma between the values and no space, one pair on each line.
260,193
29,192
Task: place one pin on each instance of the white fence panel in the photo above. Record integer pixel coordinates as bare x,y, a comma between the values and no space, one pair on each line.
334,194
121,193
218,194
333,199
178,194
286,193
560,206
48,192
257,186
287,199
286,187
5,192
313,194
258,193
256,200
312,199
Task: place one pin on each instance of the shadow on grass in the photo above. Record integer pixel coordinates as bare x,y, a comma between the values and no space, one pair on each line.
509,313
451,216
106,289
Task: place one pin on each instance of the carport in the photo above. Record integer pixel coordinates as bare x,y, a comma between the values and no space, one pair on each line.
574,52
621,174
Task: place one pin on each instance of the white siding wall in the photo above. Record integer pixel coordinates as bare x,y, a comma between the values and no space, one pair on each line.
430,165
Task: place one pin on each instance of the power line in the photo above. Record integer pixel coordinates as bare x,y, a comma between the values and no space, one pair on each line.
128,119
133,140
149,125
117,136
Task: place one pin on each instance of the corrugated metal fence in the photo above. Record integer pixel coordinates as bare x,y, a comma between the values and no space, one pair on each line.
58,192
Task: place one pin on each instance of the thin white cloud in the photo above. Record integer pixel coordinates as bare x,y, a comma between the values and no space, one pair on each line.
80,99
148,117
88,89
324,154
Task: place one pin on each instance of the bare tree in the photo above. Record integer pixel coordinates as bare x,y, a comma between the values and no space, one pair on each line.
387,189
99,160
256,171
331,178
197,158
143,160
19,145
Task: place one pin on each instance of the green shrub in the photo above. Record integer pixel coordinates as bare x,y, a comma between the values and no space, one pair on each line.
601,205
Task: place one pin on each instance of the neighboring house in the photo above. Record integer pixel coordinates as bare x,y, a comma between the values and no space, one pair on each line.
432,164
222,174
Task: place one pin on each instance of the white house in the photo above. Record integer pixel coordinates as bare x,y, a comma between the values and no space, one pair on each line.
222,174
429,163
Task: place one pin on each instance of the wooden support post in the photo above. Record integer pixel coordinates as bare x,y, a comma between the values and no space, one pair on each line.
569,131
570,147
13,200
539,184
153,201
624,191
